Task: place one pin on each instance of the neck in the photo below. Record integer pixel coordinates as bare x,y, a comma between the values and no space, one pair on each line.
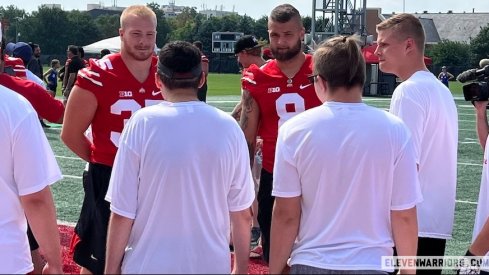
139,69
407,70
344,95
180,95
292,66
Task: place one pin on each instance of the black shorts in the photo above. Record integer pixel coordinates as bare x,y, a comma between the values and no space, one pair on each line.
91,228
32,240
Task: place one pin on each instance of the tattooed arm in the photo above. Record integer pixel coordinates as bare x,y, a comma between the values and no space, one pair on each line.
250,117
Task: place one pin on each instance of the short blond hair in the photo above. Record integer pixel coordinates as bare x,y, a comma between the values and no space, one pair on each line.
405,25
139,11
339,61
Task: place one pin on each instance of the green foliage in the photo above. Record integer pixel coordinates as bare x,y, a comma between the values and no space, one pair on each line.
107,25
450,53
479,46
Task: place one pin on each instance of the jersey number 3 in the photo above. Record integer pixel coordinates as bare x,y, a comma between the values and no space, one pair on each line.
289,105
126,105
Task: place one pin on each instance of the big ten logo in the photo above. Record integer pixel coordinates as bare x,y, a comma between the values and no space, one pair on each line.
274,90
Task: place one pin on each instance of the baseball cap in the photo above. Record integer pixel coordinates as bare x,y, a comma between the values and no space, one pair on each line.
246,42
9,48
23,51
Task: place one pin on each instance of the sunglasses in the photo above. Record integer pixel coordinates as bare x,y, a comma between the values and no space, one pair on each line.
312,78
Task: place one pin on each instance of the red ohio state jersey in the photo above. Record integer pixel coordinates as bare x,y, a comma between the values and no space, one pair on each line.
16,64
118,95
279,98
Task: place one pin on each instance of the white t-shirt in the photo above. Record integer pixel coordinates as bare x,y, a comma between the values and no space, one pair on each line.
179,170
428,109
352,164
483,204
27,166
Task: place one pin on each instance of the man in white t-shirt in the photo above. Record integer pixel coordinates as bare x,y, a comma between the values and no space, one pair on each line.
428,109
174,190
480,235
345,194
28,169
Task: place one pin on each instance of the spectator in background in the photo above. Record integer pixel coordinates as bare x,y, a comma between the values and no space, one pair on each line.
104,52
247,51
51,76
24,51
34,65
445,76
202,95
72,66
81,53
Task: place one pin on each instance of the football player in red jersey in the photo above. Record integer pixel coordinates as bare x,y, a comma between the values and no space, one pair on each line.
105,96
272,94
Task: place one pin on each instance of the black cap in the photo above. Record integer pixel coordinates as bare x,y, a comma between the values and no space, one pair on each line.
246,42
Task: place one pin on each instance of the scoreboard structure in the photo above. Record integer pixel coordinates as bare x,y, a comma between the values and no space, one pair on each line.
223,42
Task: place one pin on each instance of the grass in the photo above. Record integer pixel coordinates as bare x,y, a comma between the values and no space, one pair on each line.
224,93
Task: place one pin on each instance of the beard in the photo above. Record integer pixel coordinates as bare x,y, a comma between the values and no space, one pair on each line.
288,54
137,54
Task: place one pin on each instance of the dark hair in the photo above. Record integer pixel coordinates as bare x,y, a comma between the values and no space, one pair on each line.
284,13
198,44
179,65
104,52
339,61
73,49
81,51
33,46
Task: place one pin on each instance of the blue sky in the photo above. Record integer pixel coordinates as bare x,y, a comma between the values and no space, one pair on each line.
257,8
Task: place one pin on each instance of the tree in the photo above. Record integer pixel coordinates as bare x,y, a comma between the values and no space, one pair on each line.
479,46
13,16
261,28
108,25
455,55
162,27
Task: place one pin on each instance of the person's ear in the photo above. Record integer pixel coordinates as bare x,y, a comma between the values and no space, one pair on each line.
158,81
202,80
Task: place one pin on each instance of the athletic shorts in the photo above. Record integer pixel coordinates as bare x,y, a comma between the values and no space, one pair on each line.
88,244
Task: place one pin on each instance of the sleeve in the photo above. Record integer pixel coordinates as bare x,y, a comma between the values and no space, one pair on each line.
45,105
241,193
286,179
412,114
35,166
406,190
248,80
124,180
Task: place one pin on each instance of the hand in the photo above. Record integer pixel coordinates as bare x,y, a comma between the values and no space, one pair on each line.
48,269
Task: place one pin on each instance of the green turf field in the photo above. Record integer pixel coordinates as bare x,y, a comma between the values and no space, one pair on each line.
224,93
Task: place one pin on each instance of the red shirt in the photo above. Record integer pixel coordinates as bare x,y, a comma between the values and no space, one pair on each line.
118,95
17,66
278,99
45,105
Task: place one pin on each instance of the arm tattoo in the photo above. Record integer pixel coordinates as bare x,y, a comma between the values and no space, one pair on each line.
246,109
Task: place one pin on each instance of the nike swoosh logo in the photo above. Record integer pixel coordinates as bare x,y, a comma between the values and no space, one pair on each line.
154,93
304,86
